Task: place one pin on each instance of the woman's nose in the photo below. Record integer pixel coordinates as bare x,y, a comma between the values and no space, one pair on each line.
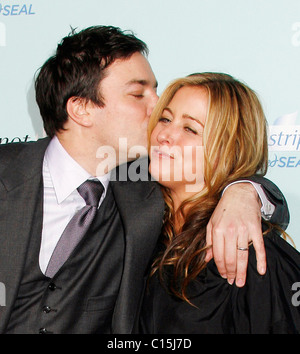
166,135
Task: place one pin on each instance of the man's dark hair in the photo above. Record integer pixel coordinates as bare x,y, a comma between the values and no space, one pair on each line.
77,68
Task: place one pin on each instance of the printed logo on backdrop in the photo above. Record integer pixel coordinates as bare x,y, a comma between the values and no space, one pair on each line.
284,142
16,9
284,134
12,10
15,139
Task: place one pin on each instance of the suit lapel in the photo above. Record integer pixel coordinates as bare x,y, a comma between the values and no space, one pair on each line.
20,192
141,208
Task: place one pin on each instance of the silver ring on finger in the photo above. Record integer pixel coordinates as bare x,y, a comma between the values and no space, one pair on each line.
242,248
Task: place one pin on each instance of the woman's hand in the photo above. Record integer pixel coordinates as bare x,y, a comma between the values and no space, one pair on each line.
235,223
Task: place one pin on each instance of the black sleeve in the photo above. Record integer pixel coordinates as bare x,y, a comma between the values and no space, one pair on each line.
281,215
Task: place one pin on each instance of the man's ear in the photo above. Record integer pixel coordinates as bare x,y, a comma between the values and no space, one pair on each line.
78,111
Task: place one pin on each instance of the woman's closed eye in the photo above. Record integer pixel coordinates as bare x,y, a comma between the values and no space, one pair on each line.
191,130
164,120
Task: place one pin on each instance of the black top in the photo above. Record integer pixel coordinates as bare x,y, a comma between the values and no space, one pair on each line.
266,304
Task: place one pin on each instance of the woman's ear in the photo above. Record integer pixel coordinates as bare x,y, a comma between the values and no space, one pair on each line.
78,111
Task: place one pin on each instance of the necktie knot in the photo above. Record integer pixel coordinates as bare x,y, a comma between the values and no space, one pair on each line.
91,192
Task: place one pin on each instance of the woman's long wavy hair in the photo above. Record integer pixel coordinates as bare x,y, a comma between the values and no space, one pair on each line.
235,146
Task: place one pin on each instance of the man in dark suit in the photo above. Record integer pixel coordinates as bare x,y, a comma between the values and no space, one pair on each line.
96,89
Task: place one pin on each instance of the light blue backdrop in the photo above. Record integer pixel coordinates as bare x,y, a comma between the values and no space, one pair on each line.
257,41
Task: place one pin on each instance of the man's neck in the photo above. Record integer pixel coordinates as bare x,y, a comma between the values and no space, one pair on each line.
81,151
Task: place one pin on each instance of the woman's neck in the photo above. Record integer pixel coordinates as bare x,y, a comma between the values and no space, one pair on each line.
179,195
178,199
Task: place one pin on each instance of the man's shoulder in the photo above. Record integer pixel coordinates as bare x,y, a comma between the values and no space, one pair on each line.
132,181
10,152
15,147
133,171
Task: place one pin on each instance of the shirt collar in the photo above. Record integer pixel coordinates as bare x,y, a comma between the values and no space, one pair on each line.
66,174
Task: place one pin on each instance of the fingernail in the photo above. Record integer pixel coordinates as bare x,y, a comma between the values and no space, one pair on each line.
230,281
224,276
262,270
240,282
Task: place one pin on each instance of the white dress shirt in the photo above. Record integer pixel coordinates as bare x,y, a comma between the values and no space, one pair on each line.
267,208
62,175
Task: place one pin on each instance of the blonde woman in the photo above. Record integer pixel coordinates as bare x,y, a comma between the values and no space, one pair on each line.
206,131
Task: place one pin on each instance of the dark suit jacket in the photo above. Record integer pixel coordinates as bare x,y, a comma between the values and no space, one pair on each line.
141,209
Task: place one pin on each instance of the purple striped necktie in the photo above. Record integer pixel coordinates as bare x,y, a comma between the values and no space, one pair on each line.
91,192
